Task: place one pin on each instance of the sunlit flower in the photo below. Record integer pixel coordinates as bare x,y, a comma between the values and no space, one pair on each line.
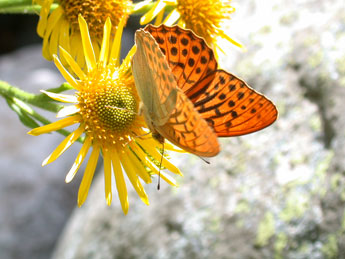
205,18
60,27
105,106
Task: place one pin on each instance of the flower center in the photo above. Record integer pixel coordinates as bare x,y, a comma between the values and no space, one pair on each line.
107,103
204,17
95,12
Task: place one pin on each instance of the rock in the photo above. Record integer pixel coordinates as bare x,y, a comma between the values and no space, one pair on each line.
277,193
35,202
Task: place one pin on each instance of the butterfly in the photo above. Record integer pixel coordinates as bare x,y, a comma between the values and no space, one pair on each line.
186,99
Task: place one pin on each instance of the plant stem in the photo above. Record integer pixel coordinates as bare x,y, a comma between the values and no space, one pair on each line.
41,100
12,3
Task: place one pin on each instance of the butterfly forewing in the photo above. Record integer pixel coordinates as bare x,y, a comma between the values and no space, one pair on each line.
228,104
156,90
189,58
168,109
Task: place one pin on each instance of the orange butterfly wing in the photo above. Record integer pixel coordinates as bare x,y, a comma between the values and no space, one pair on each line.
166,108
229,105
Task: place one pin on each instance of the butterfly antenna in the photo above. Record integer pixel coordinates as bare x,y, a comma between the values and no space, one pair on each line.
203,159
160,167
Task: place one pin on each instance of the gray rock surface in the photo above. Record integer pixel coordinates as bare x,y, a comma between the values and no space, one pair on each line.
35,202
277,193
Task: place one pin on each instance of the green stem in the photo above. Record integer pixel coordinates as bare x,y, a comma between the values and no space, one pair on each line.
20,98
41,100
12,3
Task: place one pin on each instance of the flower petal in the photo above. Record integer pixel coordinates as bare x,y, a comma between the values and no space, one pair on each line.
42,23
133,177
70,79
138,166
115,49
64,145
172,17
79,160
87,45
120,181
103,58
68,110
140,153
55,125
66,98
107,175
149,145
73,64
88,175
150,15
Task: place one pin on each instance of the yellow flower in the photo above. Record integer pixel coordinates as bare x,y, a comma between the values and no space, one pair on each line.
60,27
105,106
205,18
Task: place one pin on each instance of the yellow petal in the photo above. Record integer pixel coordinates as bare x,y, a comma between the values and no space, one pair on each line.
129,56
115,49
120,181
53,19
73,64
42,23
70,79
159,17
87,45
64,145
138,6
88,175
68,110
54,38
149,145
66,98
107,175
154,11
55,125
64,36
138,166
79,160
103,58
172,17
233,41
133,177
140,153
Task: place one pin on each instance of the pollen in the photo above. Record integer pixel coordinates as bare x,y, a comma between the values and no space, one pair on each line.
95,12
204,17
108,107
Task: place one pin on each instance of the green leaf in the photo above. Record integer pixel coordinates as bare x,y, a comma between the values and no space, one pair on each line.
22,114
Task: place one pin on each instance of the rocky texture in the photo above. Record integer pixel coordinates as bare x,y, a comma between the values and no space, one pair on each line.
34,201
277,193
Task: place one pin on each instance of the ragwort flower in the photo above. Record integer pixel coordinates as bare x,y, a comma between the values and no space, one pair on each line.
105,106
60,27
205,18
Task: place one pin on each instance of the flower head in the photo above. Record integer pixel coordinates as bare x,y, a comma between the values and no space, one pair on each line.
60,27
105,106
205,18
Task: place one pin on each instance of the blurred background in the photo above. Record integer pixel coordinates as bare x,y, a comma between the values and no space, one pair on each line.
277,193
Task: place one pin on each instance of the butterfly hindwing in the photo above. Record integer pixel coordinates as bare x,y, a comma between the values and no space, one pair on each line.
166,107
